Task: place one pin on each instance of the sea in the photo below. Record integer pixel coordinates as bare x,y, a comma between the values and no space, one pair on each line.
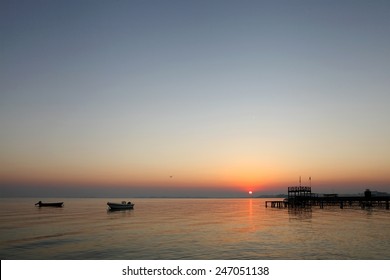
189,229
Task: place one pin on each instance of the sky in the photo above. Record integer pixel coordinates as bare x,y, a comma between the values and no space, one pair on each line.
193,98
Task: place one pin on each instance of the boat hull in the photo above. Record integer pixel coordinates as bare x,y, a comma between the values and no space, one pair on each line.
52,204
119,206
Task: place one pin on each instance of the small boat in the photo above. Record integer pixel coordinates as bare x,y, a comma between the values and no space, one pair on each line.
120,206
51,204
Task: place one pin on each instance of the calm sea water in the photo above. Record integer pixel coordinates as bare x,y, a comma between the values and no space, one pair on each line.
189,229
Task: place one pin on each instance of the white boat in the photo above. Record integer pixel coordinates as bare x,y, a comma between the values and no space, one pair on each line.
120,206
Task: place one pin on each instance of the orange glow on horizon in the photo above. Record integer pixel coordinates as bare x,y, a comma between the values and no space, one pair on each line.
235,177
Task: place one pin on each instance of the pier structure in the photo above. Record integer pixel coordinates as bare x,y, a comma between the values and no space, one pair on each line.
302,197
299,196
352,201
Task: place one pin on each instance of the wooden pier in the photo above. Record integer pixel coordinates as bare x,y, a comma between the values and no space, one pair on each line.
352,201
302,197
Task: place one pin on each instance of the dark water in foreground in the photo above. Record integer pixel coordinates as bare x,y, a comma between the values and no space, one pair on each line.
189,229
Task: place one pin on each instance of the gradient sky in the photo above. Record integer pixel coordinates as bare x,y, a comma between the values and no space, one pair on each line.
193,98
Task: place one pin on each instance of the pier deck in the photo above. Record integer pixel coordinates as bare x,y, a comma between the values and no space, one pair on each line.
352,201
347,201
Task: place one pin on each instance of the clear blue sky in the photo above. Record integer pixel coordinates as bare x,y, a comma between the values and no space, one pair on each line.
224,96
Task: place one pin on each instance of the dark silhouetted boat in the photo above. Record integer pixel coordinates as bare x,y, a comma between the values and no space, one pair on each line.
120,206
50,204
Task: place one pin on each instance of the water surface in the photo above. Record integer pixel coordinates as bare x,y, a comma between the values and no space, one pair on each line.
189,229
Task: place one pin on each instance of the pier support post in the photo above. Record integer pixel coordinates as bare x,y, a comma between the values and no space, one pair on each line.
387,205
